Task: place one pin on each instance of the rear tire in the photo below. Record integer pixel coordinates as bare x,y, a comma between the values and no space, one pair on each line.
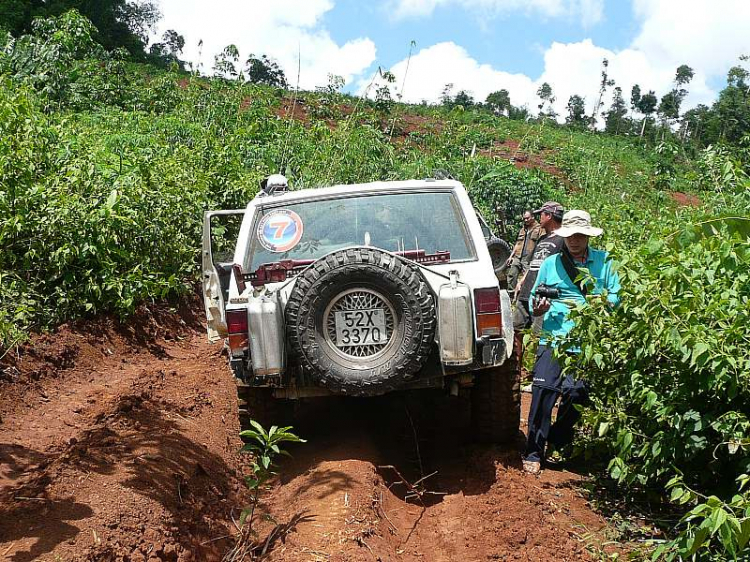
496,403
260,405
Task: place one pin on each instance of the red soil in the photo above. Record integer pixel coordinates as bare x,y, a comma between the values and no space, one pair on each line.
685,199
120,442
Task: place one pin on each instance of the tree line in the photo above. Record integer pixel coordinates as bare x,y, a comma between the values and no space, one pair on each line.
126,25
120,24
644,114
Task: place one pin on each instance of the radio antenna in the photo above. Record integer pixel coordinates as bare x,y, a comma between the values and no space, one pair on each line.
290,117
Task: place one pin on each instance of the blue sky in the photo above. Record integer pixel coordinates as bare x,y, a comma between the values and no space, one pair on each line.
513,42
478,45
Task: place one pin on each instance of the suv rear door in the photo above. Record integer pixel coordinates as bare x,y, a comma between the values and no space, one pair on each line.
216,271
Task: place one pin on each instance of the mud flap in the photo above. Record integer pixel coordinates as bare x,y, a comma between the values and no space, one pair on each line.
494,352
507,319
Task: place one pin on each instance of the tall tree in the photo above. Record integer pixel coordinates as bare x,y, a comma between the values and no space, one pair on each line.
119,23
518,113
265,71
499,102
168,50
635,97
576,112
669,108
464,99
446,96
695,122
647,106
732,109
225,63
547,97
616,117
605,83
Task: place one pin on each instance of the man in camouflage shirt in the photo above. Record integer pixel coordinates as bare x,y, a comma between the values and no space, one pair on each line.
518,262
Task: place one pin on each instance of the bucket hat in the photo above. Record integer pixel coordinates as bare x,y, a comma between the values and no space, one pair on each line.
577,222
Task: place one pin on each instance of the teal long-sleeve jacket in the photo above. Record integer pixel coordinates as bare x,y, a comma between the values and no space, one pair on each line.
556,324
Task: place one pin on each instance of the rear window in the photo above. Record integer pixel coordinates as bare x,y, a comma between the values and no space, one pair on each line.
396,222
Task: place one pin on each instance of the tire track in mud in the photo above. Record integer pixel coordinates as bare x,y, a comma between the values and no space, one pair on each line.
121,443
478,505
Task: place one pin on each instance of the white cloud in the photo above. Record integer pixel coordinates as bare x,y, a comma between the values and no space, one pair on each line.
589,11
281,29
434,67
708,37
575,68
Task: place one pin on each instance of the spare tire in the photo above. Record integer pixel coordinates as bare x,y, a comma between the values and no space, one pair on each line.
362,321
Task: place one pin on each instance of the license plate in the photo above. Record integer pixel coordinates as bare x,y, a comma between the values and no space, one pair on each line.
360,327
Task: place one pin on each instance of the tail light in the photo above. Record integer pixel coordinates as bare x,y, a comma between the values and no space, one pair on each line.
489,318
237,329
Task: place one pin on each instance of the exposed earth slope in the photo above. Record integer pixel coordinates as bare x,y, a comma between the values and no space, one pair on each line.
120,442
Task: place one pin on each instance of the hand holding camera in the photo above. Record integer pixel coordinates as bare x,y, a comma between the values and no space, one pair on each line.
543,295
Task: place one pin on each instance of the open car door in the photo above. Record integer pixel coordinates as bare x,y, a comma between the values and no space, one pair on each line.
217,261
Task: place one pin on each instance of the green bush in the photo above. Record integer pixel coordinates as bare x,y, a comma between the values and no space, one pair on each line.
670,373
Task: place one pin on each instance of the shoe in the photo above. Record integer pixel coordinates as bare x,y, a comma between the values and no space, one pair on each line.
532,467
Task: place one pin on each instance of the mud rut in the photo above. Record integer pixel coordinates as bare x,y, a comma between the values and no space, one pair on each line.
120,443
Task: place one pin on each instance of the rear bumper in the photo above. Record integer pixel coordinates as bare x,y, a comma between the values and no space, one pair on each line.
295,383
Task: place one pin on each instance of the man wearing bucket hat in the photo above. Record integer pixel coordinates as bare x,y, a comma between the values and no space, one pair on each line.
557,286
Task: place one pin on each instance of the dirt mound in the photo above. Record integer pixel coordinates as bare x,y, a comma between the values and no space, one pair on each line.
685,199
120,442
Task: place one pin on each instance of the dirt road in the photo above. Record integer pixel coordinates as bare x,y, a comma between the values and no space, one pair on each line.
120,443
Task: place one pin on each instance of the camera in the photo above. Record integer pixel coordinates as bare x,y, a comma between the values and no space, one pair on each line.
544,291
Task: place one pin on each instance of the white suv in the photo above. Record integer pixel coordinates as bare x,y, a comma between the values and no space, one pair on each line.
360,290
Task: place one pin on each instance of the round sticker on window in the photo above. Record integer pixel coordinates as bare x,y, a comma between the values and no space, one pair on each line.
280,231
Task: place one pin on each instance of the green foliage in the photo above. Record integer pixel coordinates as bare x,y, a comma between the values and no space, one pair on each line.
265,448
719,169
576,112
499,101
669,369
503,189
265,71
47,58
116,23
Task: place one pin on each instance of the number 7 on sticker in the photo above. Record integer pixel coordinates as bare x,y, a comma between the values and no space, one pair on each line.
279,227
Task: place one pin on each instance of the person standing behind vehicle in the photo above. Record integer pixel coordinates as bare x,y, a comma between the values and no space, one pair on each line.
550,219
519,259
556,286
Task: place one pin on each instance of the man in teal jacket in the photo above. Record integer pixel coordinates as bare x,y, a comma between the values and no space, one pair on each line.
556,279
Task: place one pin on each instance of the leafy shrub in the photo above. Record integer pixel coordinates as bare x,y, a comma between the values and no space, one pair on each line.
670,373
47,58
720,170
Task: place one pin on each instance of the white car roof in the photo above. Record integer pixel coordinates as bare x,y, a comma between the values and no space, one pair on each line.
374,187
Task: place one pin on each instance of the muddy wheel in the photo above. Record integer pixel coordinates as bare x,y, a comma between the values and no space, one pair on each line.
389,308
496,403
259,404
